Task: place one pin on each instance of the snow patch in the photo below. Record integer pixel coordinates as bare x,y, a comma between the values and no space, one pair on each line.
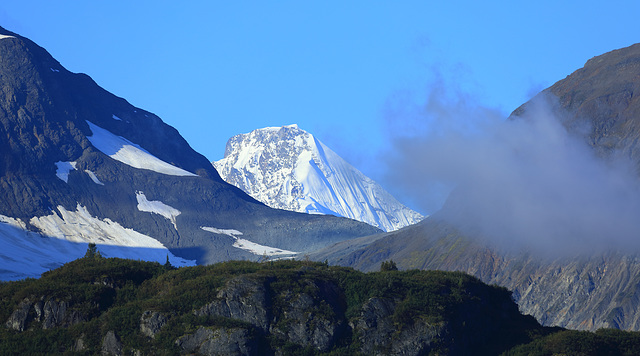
243,244
129,153
64,238
157,207
54,70
229,232
116,118
6,36
93,177
63,169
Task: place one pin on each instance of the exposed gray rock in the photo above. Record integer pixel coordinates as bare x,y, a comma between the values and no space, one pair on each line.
19,317
243,299
151,322
79,345
37,306
316,321
205,341
57,313
111,344
54,313
378,335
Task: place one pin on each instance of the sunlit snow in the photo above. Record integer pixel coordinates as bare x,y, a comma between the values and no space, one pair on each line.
5,36
64,237
63,170
157,207
256,249
127,152
287,168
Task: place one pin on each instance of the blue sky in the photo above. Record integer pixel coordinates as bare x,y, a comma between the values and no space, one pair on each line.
213,69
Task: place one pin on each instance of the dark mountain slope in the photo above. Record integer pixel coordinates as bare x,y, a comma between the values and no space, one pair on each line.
584,291
48,118
602,99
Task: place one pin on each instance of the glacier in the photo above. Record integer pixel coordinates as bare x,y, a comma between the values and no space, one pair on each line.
288,168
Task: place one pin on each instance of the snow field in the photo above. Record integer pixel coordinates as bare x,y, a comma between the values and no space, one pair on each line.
64,238
243,244
157,207
129,153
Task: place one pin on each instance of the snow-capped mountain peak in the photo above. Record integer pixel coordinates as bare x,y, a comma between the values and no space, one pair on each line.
287,168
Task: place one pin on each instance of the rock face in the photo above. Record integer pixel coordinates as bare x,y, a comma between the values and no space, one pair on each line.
111,344
50,314
315,318
287,168
219,342
378,334
70,152
19,317
243,299
603,98
151,322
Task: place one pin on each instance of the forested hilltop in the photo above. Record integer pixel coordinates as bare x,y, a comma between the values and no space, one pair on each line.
116,306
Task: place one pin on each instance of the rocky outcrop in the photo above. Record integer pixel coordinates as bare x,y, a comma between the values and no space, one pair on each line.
315,318
111,344
151,322
19,317
50,313
79,344
243,299
378,334
219,342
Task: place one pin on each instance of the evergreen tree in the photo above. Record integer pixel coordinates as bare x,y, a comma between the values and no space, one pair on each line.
92,251
388,266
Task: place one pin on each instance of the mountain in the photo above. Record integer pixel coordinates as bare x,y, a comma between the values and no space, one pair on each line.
287,168
80,165
112,306
579,289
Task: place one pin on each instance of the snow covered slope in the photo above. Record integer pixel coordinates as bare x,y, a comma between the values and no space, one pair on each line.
287,168
64,236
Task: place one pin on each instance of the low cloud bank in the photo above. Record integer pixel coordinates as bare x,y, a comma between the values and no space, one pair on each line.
525,183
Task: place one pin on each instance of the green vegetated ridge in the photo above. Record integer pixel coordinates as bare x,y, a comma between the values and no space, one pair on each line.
115,306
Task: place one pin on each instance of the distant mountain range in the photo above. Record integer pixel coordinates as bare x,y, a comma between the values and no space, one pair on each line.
287,168
79,165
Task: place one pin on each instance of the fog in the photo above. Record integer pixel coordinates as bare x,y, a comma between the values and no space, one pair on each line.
523,183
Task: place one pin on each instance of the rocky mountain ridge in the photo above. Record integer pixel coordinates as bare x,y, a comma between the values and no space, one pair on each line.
581,290
287,168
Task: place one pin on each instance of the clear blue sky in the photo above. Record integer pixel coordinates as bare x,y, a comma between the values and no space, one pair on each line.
213,69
